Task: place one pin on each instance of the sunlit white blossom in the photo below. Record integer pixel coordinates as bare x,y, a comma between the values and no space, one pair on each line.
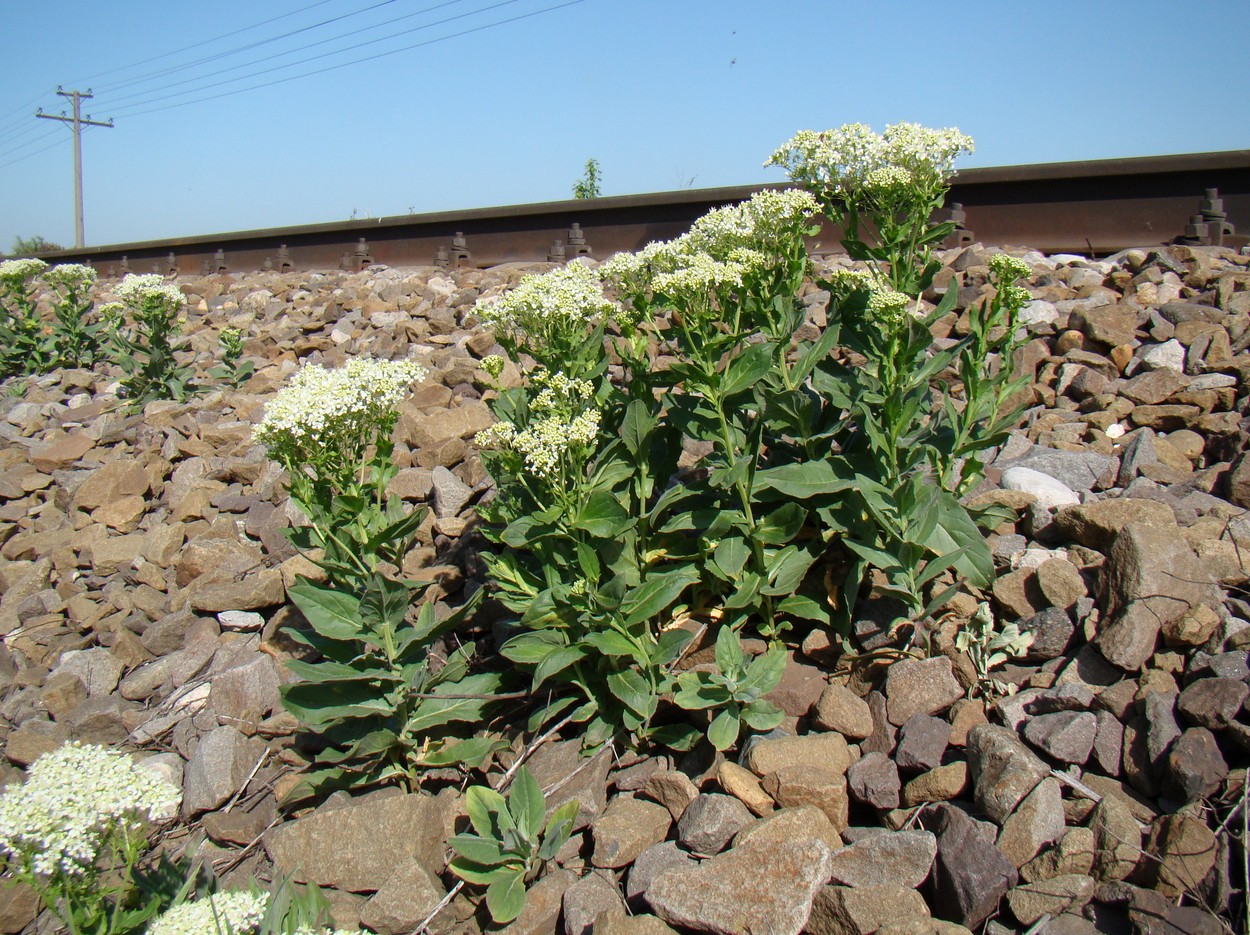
73,799
566,300
1009,268
888,306
16,272
216,914
138,289
334,410
73,276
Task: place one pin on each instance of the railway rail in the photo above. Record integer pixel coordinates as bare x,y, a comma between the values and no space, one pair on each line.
1094,208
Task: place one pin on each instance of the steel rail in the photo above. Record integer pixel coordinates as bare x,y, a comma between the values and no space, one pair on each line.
1093,208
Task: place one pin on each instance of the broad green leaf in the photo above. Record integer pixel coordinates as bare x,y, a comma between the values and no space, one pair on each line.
764,673
747,369
532,648
478,850
333,614
802,481
486,809
788,567
526,802
729,657
611,643
695,695
781,524
633,690
557,660
471,752
803,607
480,874
678,737
762,715
603,516
656,594
385,602
506,897
636,427
731,555
724,729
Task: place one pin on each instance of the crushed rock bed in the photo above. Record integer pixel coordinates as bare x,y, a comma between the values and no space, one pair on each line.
143,573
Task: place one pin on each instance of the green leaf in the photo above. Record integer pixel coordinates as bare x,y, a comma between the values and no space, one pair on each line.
762,715
788,566
611,643
764,673
486,809
808,479
526,802
470,752
333,614
532,648
506,897
678,737
636,428
556,661
730,556
693,694
603,516
478,850
481,874
781,524
729,657
633,691
656,594
385,602
803,607
724,730
747,369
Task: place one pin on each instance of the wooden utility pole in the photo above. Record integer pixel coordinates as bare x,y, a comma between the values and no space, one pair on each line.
76,98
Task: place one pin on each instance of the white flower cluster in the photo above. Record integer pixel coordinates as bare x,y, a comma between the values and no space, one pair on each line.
888,306
72,800
73,276
567,424
138,289
720,250
843,161
323,410
845,281
217,914
1009,268
16,272
567,300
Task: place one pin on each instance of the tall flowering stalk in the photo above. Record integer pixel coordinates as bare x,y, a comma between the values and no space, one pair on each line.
75,830
76,340
24,348
331,431
146,345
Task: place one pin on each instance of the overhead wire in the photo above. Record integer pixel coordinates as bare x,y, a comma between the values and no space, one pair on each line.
354,61
357,61
293,51
200,44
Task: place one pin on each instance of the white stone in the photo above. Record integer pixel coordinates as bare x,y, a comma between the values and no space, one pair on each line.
240,620
166,766
1170,355
1050,493
1115,430
193,700
1036,558
1038,312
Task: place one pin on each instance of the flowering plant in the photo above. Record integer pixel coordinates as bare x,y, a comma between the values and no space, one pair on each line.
24,347
232,370
331,430
75,830
236,913
147,347
75,340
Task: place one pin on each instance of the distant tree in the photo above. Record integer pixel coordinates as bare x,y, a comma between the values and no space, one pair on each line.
588,185
36,244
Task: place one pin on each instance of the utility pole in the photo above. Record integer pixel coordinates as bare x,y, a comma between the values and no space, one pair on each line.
76,98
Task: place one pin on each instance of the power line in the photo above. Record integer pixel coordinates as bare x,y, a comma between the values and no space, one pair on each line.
302,48
358,61
44,149
200,44
47,132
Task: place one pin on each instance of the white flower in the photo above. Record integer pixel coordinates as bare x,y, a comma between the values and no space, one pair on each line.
567,300
73,799
16,272
846,281
72,276
138,289
323,411
1009,268
218,914
843,161
888,306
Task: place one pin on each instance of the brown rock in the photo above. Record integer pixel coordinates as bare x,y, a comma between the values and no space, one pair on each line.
921,686
839,709
843,910
627,828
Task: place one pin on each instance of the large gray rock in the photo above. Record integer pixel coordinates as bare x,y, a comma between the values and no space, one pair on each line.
627,828
1003,769
220,765
900,857
357,847
972,874
711,821
1153,578
761,887
404,900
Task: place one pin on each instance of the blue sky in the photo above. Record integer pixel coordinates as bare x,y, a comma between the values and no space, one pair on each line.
665,94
